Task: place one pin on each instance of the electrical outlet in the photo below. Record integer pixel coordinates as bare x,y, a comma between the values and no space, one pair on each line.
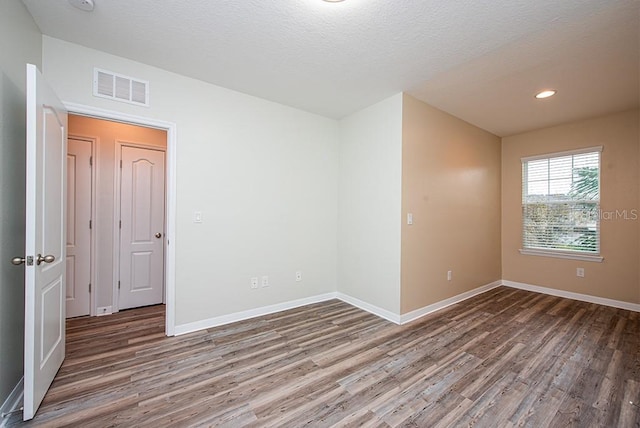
409,219
265,281
298,276
449,275
580,272
254,282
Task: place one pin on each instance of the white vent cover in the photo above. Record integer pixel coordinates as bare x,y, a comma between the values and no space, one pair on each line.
107,84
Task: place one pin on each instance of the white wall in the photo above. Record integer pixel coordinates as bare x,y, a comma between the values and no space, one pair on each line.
20,43
370,203
263,174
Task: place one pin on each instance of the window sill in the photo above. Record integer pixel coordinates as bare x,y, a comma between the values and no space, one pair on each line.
563,255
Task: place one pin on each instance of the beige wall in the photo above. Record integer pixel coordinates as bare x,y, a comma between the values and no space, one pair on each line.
617,276
451,185
20,43
106,134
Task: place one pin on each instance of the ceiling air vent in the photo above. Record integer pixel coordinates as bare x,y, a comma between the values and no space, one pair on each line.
107,84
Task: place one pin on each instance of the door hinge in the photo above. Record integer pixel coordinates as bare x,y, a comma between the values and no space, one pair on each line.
120,164
90,160
120,224
90,224
89,287
118,285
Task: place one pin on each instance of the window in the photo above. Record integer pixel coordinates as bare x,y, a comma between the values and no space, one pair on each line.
561,204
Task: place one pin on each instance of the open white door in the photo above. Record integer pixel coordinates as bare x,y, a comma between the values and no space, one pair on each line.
45,240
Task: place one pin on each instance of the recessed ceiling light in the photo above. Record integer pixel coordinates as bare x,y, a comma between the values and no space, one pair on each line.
546,94
86,5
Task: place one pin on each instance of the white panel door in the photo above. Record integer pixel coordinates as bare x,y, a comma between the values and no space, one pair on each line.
141,279
45,240
78,296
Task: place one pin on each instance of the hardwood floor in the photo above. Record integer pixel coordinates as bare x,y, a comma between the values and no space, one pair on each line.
504,358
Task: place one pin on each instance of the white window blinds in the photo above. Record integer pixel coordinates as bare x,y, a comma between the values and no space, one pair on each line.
561,201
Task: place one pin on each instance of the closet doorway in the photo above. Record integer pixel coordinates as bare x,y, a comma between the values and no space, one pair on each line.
116,226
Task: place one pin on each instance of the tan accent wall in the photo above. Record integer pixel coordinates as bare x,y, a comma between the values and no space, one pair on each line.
451,185
617,277
106,134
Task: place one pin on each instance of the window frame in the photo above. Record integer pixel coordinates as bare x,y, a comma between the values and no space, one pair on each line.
561,253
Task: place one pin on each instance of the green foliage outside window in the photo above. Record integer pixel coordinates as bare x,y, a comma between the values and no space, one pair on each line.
561,203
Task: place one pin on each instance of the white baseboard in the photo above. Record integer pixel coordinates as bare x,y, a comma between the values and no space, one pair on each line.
368,307
251,313
575,296
104,310
13,401
382,313
391,316
418,313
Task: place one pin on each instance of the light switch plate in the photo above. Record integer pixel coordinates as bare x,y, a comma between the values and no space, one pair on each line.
409,218
197,217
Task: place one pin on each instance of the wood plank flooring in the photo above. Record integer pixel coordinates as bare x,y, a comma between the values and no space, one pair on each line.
505,358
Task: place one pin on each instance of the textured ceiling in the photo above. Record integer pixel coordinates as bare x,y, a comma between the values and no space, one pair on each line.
480,60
